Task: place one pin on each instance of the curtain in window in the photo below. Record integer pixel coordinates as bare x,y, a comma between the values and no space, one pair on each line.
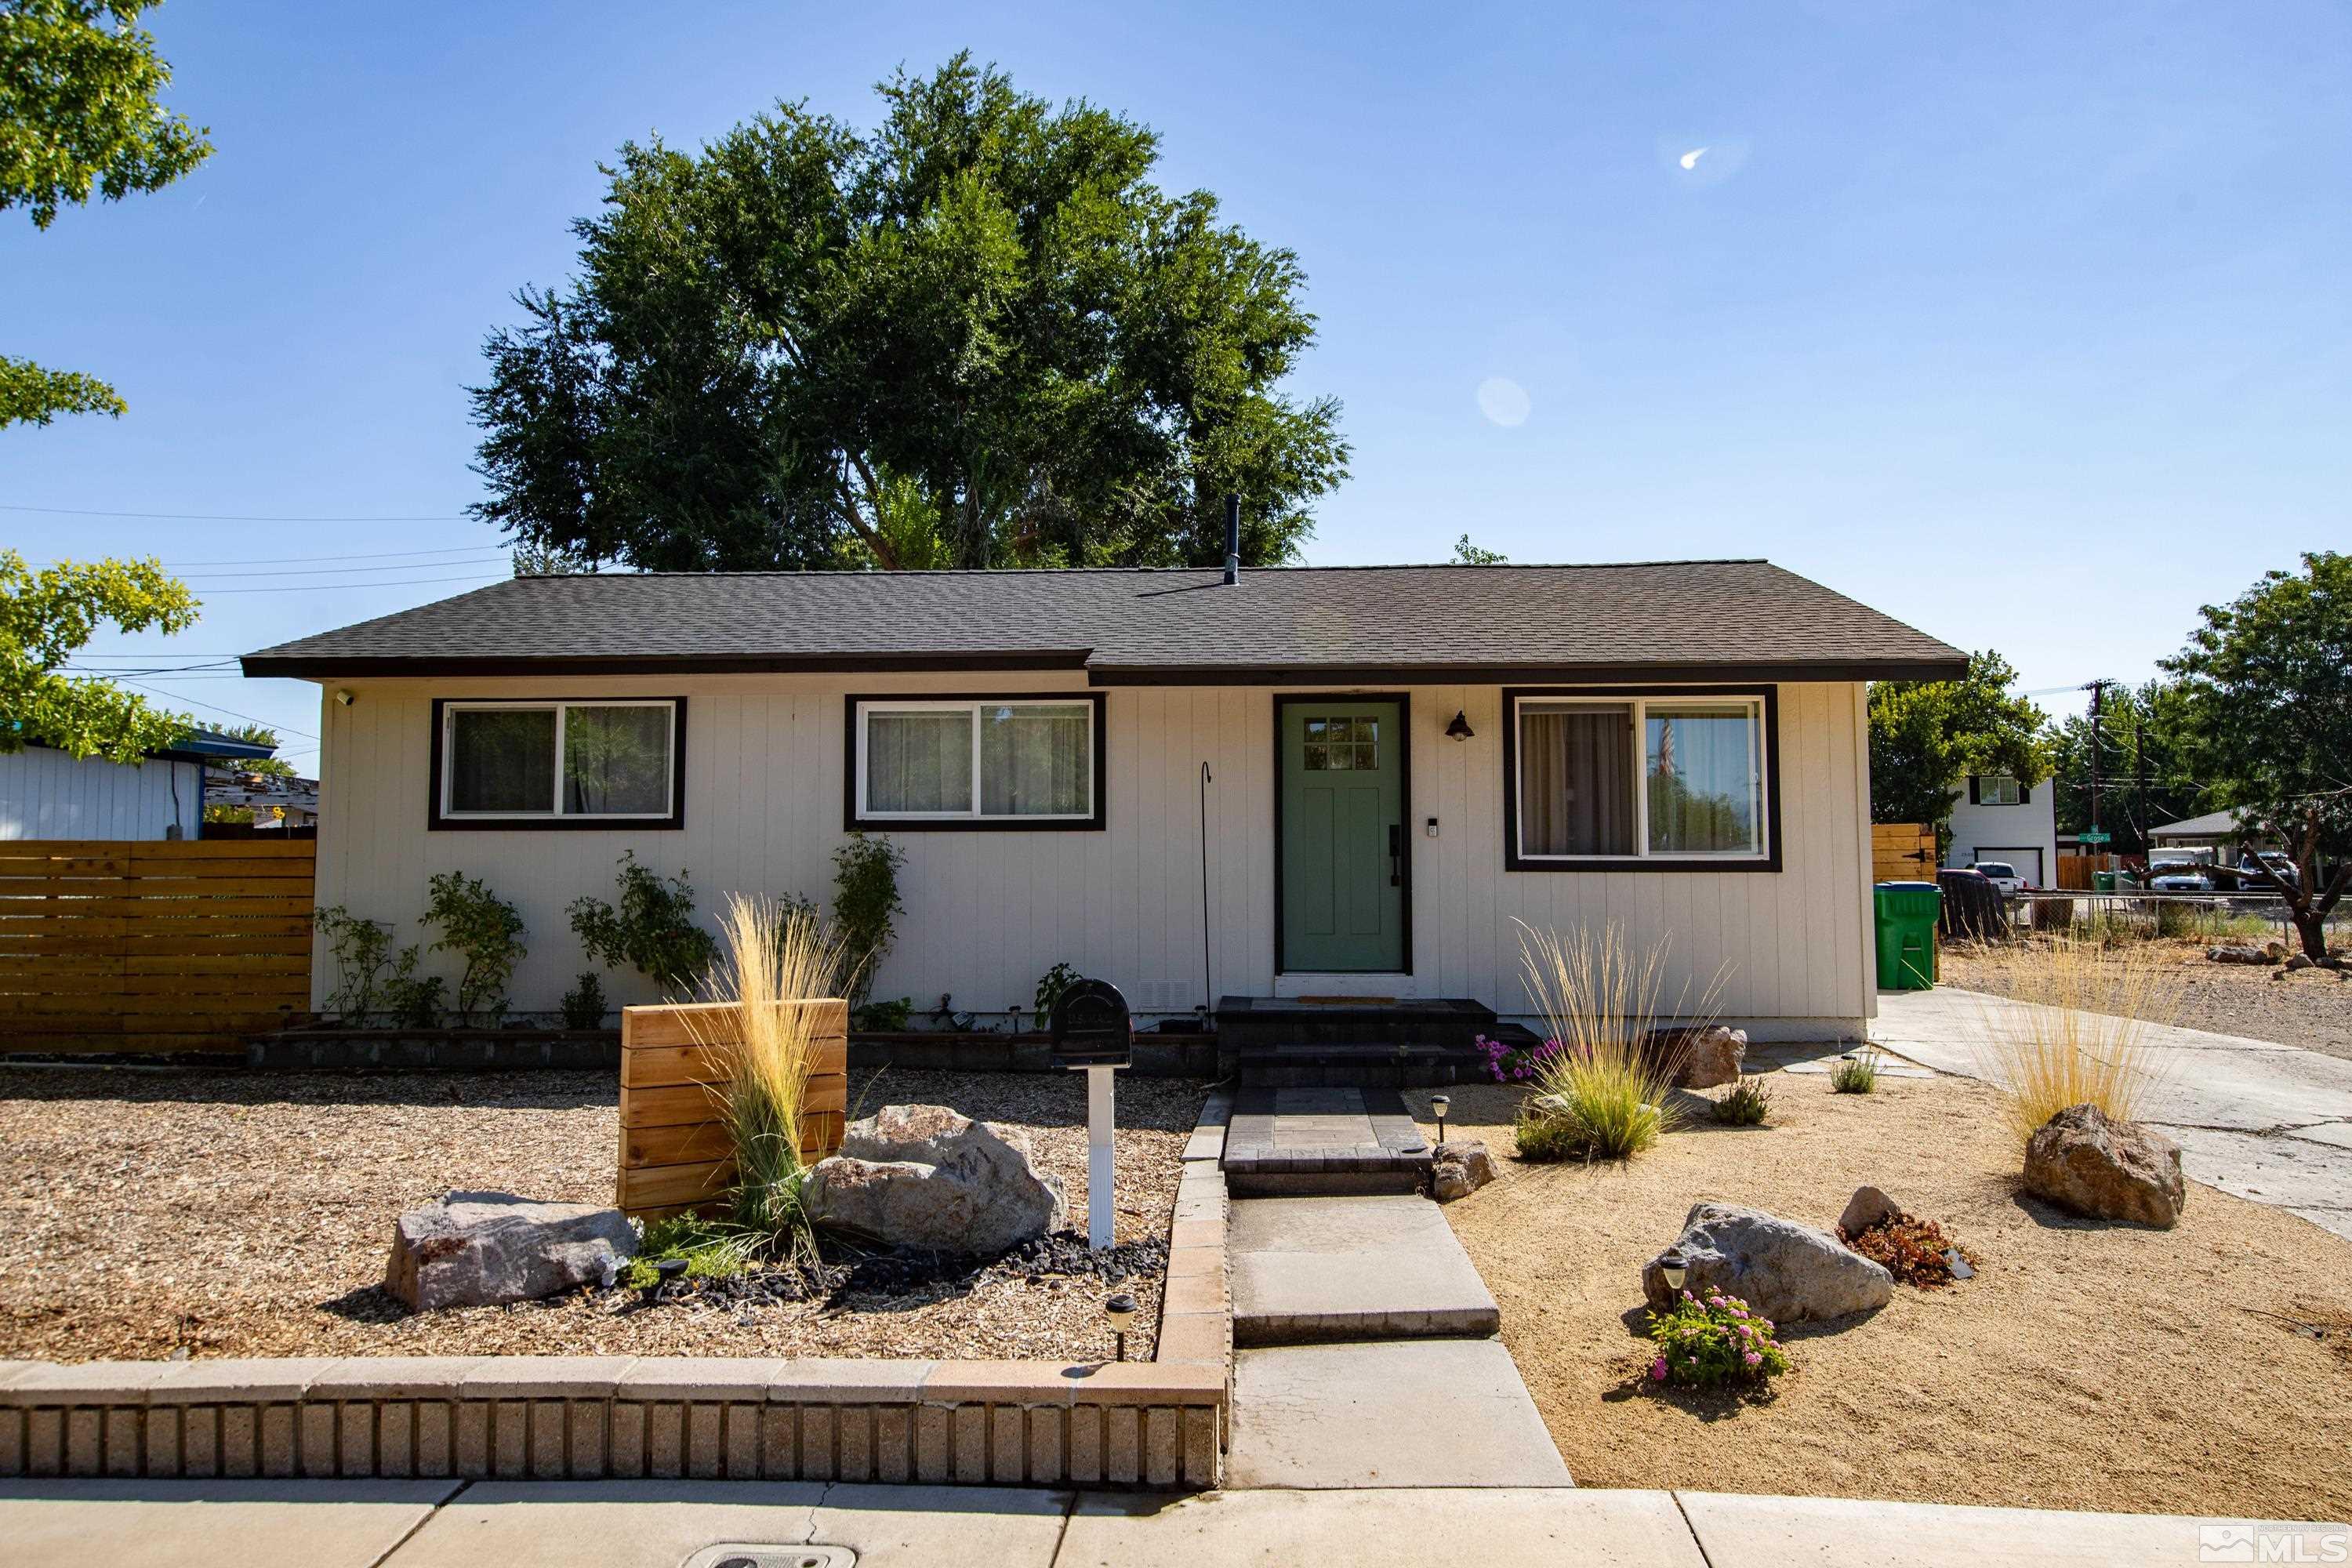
1703,779
1576,780
502,759
917,762
1034,760
617,760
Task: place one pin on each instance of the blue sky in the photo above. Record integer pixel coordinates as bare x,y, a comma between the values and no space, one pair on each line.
2027,323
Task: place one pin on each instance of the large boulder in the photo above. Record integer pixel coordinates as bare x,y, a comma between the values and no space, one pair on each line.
1458,1167
479,1249
927,1177
2084,1160
1790,1273
1697,1058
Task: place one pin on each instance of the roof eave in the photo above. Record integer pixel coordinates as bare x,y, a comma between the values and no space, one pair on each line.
1773,672
336,666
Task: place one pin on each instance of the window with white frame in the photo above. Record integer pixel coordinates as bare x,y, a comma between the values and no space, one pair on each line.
555,761
1998,789
949,761
1639,777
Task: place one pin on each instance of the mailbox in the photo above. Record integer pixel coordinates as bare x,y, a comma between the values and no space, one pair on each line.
1091,1026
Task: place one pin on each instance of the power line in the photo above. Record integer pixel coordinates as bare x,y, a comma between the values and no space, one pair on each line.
215,517
311,587
347,571
361,556
216,708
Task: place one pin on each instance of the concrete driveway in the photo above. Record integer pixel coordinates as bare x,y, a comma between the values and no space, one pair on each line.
2261,1121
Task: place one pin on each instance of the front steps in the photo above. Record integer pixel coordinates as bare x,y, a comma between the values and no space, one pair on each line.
1361,1042
1296,1143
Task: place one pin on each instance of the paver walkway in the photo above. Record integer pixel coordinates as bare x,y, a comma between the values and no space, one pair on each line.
659,1524
2268,1122
1289,1141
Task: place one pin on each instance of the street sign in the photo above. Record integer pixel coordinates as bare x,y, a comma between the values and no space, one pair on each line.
2094,835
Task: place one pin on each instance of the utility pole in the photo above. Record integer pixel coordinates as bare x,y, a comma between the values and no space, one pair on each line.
2098,689
2139,766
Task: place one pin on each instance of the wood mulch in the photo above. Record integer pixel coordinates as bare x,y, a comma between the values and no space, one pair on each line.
2085,1366
229,1214
2310,1007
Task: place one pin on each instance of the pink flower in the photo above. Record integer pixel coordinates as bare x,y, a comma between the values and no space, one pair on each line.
1658,1370
1715,1300
1753,1359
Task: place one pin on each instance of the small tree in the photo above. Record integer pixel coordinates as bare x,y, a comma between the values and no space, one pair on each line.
866,906
2269,683
1925,736
651,930
45,617
482,929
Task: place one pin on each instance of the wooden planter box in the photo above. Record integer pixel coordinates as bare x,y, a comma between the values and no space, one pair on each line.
673,1153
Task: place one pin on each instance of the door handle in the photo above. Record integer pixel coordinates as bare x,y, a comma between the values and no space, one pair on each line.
1396,855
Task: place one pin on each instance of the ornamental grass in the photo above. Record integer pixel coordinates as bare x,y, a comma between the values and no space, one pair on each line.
1596,1092
2079,1032
775,961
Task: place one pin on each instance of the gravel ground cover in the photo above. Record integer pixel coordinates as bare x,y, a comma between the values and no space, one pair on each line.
2311,1008
233,1213
2085,1366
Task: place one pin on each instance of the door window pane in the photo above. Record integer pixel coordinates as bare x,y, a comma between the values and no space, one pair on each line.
1576,779
502,759
1342,745
1703,778
918,761
1034,760
617,760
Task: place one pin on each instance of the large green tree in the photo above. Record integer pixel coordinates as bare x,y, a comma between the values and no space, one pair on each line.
977,334
46,616
78,116
2268,679
1928,736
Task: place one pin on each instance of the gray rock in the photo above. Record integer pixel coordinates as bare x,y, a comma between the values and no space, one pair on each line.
478,1249
2083,1161
1790,1273
1868,1206
2300,961
1698,1058
2228,954
1458,1167
929,1177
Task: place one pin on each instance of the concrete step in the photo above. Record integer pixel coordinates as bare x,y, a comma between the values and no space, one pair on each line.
1298,1141
1417,1413
1311,1270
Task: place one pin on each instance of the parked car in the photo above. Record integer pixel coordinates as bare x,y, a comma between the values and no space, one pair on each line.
2250,878
2001,875
2180,876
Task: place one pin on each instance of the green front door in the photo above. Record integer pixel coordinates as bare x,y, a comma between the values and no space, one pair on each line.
1343,847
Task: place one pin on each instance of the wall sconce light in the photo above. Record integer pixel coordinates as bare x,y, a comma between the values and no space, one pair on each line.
1460,729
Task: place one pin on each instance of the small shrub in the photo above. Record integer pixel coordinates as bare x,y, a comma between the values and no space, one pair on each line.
1050,986
1598,1092
486,931
885,1018
1915,1251
866,906
1855,1073
1515,1064
1703,1343
1746,1104
712,1250
583,1005
362,950
650,929
412,1001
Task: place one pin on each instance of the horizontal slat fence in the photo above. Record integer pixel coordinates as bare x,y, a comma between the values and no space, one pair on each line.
674,1152
1902,852
143,946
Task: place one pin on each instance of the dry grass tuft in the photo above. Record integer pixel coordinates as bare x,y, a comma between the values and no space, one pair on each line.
1601,1095
777,958
2082,1038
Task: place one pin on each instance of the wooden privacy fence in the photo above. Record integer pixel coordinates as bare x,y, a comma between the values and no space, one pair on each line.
1902,852
675,1155
2074,871
115,945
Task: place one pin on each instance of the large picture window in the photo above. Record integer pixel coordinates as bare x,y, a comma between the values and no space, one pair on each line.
976,761
558,763
1632,780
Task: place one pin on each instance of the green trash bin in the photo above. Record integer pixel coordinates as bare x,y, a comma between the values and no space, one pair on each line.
2103,881
1906,915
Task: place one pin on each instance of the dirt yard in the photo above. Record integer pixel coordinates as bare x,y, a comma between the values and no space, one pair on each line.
2087,1366
236,1213
2311,1008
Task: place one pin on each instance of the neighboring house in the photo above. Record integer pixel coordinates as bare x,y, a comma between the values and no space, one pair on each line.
1373,774
2001,819
277,801
48,794
2212,839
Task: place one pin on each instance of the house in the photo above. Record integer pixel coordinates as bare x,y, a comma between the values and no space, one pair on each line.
278,802
1283,783
1999,818
2212,839
46,793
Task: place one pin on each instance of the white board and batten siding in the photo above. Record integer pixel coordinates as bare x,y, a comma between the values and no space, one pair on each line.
987,914
48,794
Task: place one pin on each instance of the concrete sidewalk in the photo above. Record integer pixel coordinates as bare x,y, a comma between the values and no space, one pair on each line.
2263,1121
659,1524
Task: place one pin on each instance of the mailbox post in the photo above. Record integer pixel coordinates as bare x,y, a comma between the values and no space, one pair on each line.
1092,1028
